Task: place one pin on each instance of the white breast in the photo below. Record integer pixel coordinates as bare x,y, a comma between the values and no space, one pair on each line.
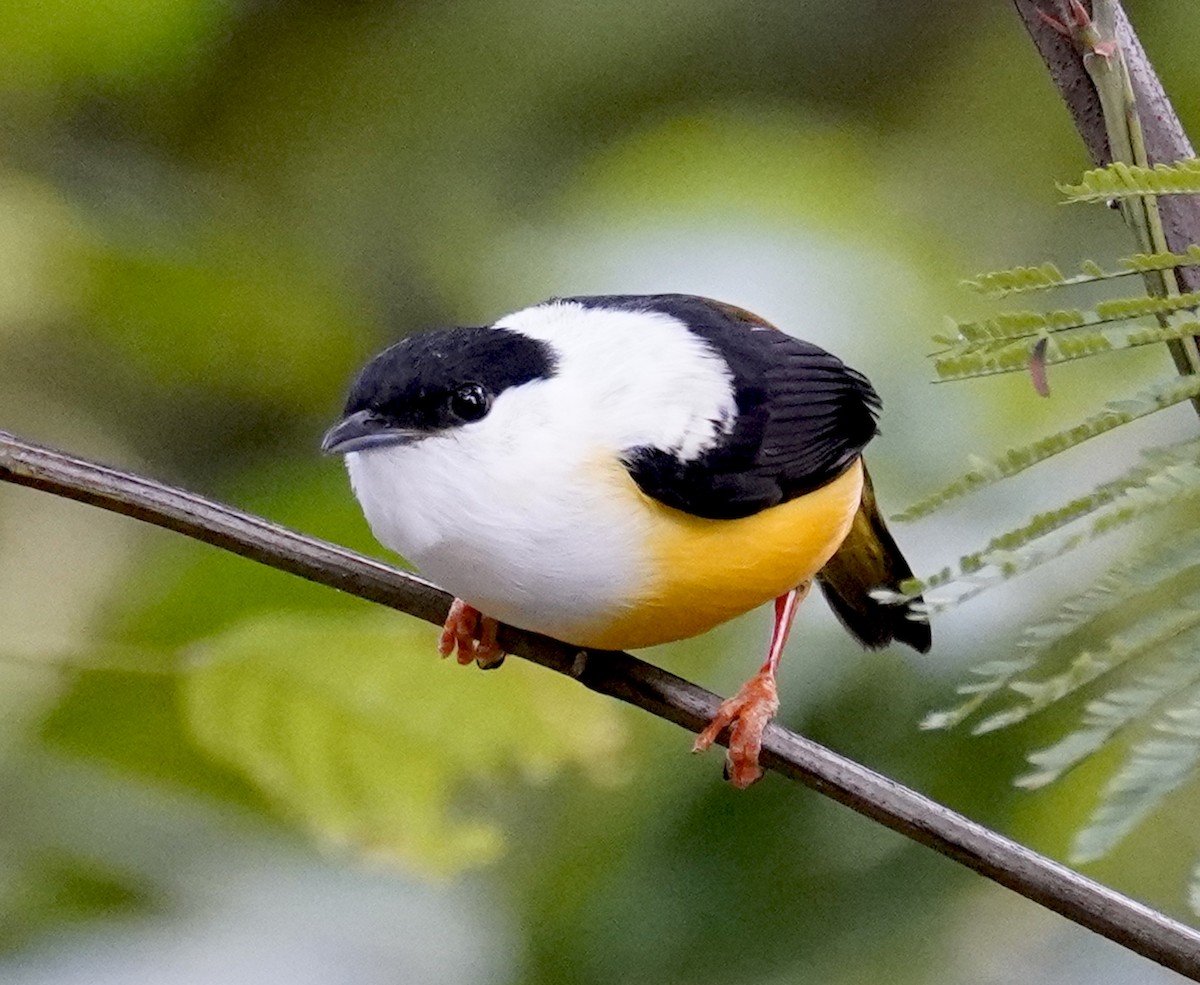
525,514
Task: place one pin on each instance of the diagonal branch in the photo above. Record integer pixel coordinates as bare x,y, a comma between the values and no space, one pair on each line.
622,676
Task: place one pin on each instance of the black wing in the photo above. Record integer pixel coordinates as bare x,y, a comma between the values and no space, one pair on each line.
803,416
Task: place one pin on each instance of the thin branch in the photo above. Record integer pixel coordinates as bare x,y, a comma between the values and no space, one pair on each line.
622,676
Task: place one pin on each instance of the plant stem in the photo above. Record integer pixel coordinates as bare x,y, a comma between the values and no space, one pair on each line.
1123,114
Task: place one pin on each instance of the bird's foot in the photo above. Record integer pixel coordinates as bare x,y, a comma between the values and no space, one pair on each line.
473,635
747,714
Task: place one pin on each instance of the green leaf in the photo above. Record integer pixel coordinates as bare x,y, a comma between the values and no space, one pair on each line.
226,310
1116,413
1020,280
1174,669
44,890
1006,356
121,45
1148,575
1016,280
1120,180
1170,475
976,336
1155,629
357,732
996,674
130,721
1154,769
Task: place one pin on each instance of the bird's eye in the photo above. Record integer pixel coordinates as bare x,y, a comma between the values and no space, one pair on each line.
470,402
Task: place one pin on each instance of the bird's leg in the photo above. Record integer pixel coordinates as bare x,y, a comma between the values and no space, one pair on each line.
472,634
749,711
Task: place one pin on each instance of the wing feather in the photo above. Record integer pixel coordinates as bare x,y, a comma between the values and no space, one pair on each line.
803,416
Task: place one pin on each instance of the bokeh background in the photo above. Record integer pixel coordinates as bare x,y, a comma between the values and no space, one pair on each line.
211,212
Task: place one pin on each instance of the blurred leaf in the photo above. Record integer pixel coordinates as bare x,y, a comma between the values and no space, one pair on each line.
183,591
121,43
130,721
36,227
344,725
1154,769
226,310
46,889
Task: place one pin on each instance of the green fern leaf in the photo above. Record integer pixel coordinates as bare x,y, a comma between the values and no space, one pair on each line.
321,715
1147,574
1022,280
1169,475
1154,768
975,335
998,675
972,360
1015,280
1175,668
1018,325
1138,491
1155,578
1156,628
1117,181
1141,263
1016,460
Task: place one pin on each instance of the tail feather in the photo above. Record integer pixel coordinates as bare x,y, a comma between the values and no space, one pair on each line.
869,559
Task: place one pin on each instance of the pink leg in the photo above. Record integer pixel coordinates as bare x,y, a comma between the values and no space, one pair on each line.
472,634
748,713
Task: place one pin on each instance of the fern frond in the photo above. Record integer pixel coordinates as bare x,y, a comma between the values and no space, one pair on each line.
1118,180
1021,280
1154,768
972,360
1141,263
1116,412
1175,668
1139,490
998,674
1148,572
1169,475
1157,629
1152,578
1029,324
1017,280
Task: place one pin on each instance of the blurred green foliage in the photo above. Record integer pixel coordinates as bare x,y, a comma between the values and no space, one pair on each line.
210,213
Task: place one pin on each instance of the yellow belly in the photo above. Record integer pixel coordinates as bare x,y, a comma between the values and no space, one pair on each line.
704,572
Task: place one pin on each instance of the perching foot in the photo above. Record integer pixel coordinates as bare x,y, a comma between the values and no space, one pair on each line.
473,635
746,714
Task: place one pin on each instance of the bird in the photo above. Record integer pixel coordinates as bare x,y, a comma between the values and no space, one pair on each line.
621,471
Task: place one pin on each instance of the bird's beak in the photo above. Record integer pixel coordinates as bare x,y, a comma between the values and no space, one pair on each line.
363,430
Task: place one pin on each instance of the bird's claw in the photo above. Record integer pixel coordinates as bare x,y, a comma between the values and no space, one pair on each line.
473,635
747,715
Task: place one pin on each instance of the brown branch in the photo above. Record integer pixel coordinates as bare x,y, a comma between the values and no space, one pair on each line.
622,676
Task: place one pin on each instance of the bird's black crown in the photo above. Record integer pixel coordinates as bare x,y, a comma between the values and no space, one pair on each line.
447,377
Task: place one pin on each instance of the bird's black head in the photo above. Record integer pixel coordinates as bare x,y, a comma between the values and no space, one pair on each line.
434,381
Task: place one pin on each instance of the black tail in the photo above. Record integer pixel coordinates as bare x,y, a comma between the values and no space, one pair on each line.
869,559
